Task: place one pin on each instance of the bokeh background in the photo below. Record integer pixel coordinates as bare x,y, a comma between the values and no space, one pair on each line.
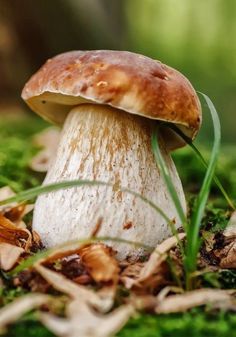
196,37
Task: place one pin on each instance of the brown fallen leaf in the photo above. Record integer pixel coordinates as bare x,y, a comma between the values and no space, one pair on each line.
216,298
156,259
13,311
83,321
58,281
100,262
16,214
227,252
14,235
48,140
9,255
31,281
131,273
73,268
165,291
145,302
230,230
5,193
62,251
228,256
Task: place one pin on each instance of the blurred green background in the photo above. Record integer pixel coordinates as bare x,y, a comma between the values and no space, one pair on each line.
196,37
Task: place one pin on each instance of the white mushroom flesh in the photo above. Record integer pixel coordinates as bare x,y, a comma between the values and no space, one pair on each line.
106,144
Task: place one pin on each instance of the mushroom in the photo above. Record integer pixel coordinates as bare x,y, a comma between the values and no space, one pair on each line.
108,102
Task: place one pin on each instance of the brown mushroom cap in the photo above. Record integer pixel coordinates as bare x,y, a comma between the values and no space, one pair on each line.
128,81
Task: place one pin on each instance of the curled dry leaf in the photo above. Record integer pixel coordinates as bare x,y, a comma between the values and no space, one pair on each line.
131,273
48,140
10,233
165,291
102,303
143,302
227,254
5,193
100,262
83,321
156,259
9,255
16,214
13,311
72,268
61,251
216,298
230,230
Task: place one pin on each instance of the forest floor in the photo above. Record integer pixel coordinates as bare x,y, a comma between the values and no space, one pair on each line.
16,151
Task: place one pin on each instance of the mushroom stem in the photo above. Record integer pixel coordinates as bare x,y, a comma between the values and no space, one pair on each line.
102,143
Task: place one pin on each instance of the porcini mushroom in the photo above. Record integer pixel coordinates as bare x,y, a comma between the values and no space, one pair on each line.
108,102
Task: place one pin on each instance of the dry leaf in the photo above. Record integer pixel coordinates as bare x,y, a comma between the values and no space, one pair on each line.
216,298
10,233
143,302
156,259
47,139
13,311
208,239
100,263
230,230
9,255
83,321
165,291
71,267
17,213
62,251
36,239
228,256
61,283
227,252
131,273
5,193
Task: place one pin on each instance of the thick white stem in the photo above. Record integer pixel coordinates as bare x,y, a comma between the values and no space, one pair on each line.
102,143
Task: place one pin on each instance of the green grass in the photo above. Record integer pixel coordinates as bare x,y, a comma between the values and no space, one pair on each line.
196,323
16,150
193,224
192,174
28,328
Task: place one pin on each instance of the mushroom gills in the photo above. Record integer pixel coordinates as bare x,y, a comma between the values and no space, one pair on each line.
102,143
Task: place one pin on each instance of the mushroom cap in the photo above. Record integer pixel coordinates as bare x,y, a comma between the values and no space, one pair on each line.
128,81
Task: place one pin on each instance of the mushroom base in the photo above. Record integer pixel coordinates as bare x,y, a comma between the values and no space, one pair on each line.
102,143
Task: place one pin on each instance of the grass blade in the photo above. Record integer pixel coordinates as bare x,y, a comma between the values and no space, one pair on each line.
166,175
35,191
170,186
215,178
195,223
204,162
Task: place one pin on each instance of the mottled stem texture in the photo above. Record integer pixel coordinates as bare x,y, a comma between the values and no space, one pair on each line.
102,143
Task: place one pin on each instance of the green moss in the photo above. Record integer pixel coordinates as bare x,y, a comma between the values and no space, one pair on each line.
28,328
196,323
9,294
16,150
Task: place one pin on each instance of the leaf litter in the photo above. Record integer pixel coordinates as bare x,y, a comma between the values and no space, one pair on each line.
98,292
47,140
